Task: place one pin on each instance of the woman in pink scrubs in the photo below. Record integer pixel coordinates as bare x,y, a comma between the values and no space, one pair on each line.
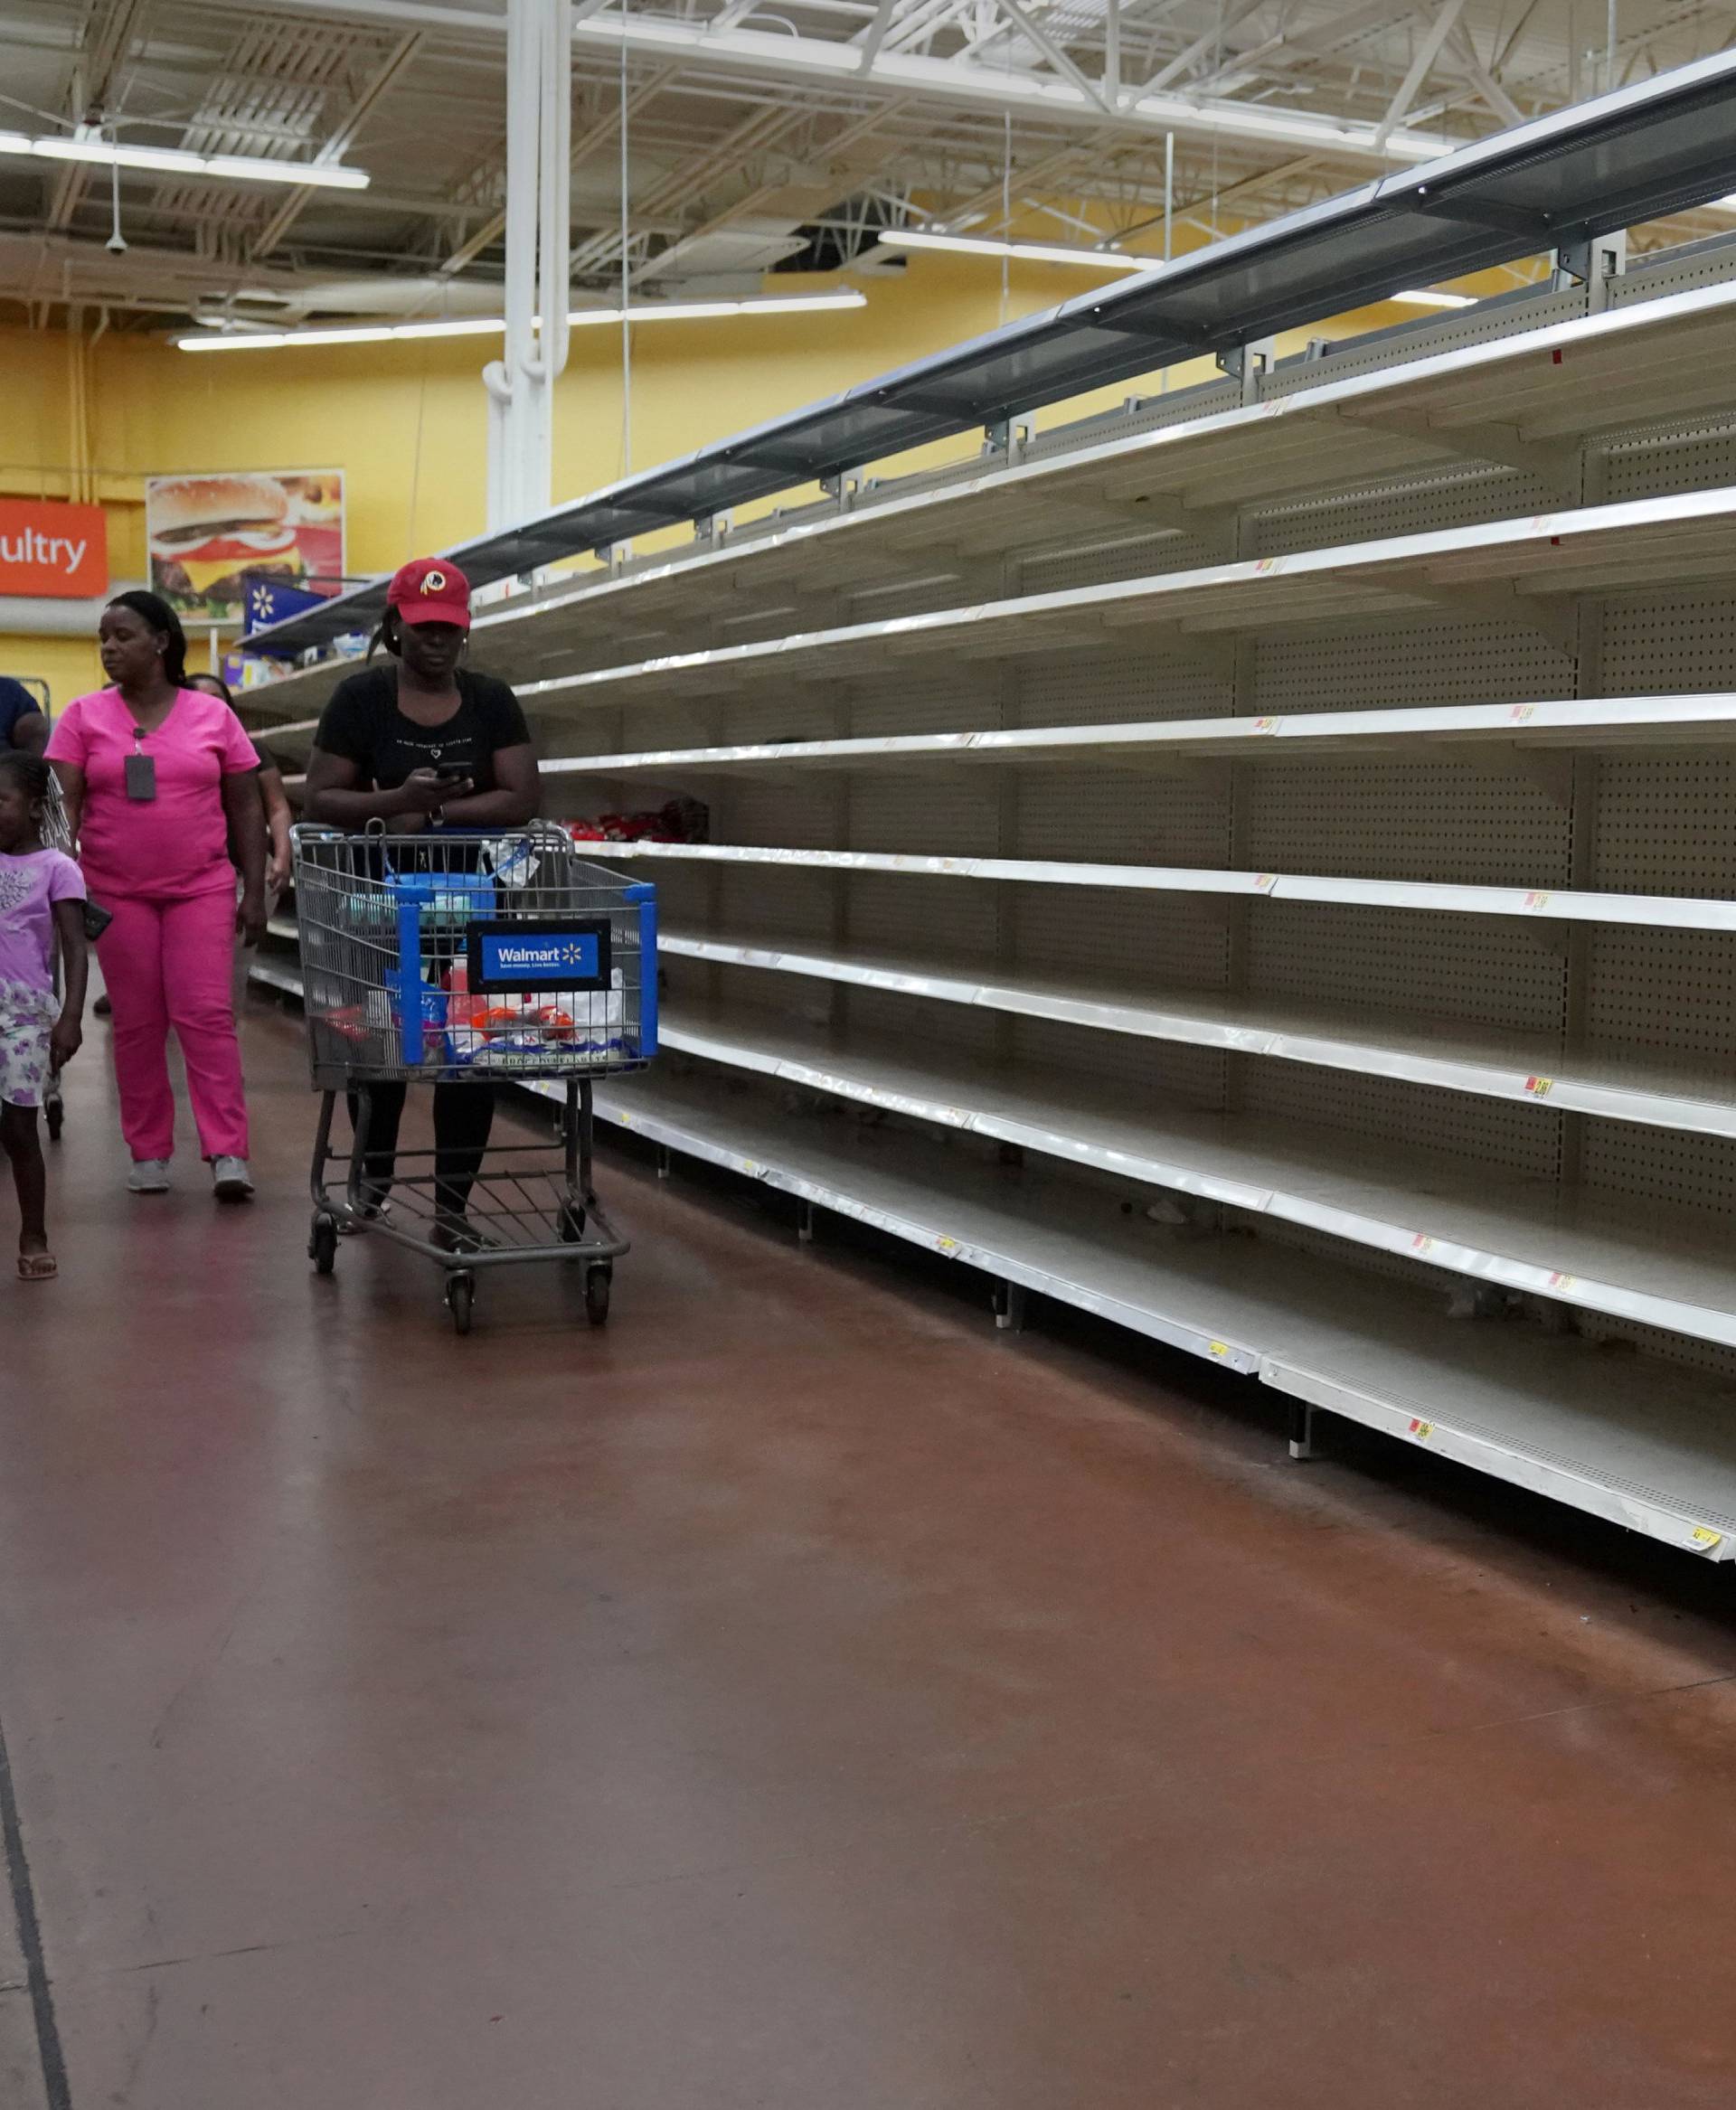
158,781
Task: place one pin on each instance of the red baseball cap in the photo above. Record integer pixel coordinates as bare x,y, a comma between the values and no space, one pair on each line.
431,589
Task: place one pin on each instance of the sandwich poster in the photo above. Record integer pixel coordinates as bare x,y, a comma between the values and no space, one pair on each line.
209,535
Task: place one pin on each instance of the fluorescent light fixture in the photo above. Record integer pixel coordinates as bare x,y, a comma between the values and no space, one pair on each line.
677,311
172,161
1021,253
1426,300
699,311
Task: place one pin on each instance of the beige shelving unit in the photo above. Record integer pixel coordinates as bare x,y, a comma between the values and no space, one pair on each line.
1260,867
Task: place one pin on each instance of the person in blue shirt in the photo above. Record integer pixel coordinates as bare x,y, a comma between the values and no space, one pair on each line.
22,725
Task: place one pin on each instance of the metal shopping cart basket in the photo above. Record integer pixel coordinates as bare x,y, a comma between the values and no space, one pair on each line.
476,959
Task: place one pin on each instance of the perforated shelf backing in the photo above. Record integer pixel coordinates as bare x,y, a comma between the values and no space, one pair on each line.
1668,990
1128,684
1666,825
1151,942
1412,659
1474,970
1439,821
1123,816
1097,558
1455,495
1644,464
1401,346
1668,644
1513,1136
1710,263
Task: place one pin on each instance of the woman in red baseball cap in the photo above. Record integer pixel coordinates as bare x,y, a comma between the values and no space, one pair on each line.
423,742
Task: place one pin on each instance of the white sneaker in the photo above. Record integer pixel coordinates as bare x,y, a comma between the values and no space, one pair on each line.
149,1175
229,1179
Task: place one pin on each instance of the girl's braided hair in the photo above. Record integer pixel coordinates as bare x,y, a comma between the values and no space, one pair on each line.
38,779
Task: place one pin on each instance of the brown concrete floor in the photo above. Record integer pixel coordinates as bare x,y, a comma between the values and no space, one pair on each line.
799,1698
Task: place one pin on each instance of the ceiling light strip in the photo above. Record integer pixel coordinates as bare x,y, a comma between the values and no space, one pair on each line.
248,168
672,311
1029,252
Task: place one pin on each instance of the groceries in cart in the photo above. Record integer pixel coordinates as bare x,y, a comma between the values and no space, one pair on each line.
503,956
509,1029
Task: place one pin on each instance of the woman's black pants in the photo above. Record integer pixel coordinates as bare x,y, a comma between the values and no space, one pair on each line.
463,1115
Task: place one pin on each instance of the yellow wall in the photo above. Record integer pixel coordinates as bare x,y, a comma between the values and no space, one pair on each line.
406,422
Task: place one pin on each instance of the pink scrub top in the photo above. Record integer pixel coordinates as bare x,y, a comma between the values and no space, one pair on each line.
176,844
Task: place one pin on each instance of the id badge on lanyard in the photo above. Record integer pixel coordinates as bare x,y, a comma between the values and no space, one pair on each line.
141,770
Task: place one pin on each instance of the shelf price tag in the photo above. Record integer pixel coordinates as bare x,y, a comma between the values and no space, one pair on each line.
947,1246
1704,1536
1267,724
1539,897
1264,881
1218,1348
1422,1243
1560,1280
1540,1087
1422,1431
1521,712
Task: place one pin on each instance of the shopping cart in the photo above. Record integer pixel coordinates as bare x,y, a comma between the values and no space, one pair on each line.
457,957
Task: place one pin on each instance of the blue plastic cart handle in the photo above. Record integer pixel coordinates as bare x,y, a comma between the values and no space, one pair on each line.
648,901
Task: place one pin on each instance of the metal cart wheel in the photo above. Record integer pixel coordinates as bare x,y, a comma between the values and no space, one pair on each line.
597,1284
54,1113
460,1295
322,1243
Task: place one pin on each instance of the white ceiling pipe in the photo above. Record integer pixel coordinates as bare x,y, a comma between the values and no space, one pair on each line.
555,149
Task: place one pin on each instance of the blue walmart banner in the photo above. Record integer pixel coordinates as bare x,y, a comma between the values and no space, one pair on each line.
267,602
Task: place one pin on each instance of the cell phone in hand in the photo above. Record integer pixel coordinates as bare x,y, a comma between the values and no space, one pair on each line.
452,772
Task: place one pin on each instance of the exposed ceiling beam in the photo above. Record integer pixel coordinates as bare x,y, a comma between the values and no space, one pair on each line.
1211,39
1325,40
603,133
875,35
1054,52
953,81
1424,57
1482,81
340,142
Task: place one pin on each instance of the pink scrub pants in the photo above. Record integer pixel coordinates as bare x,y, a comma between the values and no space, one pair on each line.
167,964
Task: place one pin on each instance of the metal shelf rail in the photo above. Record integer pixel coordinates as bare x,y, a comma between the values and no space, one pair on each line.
1491,735
1557,183
1534,904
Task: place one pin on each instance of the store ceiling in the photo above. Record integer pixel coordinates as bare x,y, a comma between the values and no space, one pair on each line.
760,136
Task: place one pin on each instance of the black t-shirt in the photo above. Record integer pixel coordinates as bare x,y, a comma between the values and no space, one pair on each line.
364,724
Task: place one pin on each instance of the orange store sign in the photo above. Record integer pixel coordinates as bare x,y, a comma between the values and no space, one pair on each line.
48,548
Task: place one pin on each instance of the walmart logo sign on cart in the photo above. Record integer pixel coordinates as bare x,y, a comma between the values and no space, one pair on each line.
580,953
517,955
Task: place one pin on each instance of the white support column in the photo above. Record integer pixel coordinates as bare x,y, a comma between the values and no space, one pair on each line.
521,383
